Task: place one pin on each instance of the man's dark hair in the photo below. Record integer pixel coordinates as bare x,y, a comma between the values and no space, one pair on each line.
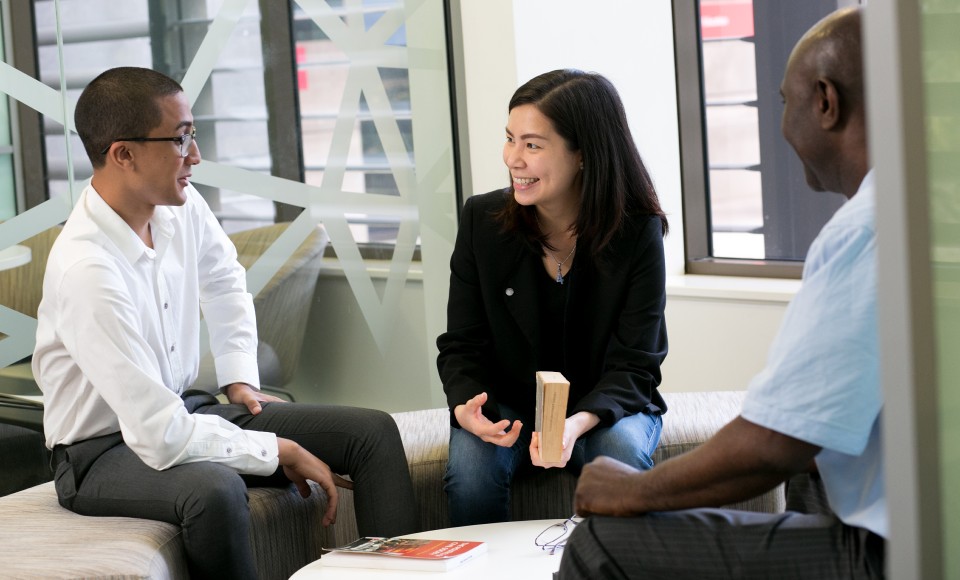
120,102
586,111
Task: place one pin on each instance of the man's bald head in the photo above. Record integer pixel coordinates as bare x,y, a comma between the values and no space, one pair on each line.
824,119
832,49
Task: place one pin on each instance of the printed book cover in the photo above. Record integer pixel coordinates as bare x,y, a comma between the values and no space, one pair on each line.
404,554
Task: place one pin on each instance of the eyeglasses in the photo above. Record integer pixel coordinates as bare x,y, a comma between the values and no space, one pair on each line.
184,140
555,536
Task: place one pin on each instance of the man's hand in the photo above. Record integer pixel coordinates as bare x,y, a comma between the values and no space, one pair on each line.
470,417
742,460
601,488
573,428
299,465
244,394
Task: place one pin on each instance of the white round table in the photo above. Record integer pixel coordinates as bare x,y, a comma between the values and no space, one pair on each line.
511,553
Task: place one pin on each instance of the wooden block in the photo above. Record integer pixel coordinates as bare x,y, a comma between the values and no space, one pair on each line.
552,393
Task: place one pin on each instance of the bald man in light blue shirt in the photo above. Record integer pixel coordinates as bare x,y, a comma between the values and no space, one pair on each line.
815,408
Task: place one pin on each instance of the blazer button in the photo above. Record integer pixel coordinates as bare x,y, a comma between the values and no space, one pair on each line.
508,292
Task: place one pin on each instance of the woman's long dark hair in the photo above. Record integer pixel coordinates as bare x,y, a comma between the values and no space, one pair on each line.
586,111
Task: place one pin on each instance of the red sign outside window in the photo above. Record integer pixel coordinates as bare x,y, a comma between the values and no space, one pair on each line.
303,80
726,19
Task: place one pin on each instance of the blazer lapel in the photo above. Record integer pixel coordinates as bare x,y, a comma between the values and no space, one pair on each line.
520,294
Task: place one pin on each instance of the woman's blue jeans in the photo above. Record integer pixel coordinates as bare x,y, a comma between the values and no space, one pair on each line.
479,474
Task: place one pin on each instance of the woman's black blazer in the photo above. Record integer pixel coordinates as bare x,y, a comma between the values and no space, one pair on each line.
615,335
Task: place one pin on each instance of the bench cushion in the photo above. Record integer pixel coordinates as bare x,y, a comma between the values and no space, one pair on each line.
691,419
40,539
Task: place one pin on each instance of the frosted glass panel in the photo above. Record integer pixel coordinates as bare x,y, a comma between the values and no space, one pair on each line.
375,127
941,55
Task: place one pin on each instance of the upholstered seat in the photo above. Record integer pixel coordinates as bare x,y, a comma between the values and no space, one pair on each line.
283,305
40,539
45,540
548,494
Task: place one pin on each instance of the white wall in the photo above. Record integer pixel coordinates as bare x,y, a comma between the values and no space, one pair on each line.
490,72
630,43
719,328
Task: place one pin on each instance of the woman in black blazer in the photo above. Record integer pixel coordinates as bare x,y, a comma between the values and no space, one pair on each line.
562,271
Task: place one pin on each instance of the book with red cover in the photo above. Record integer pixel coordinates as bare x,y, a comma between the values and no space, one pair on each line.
404,554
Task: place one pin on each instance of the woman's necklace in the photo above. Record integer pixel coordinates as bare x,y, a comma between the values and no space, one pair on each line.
560,263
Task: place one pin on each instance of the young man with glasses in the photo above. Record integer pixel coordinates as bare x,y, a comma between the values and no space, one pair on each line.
139,259
815,407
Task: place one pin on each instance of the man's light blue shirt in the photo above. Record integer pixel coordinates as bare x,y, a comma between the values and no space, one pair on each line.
821,383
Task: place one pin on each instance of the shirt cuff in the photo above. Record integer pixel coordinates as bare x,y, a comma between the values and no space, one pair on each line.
237,367
264,446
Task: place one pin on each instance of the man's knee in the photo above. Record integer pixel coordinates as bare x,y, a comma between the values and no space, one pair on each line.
586,557
381,422
221,493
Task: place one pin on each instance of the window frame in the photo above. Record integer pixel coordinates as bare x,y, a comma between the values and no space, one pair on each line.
29,149
694,165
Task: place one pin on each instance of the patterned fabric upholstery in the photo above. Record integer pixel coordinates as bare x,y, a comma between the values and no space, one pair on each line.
284,303
692,419
21,287
40,539
282,306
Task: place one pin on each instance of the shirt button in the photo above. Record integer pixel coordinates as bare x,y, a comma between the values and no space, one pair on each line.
263,453
173,348
165,305
229,449
508,292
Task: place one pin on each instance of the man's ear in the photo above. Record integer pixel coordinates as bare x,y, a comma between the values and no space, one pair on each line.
828,104
119,154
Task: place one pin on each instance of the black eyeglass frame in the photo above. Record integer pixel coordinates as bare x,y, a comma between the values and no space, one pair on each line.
185,141
557,539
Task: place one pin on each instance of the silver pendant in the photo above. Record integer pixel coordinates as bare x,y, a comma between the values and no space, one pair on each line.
559,275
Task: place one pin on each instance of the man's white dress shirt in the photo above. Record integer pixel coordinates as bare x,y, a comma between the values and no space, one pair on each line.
118,335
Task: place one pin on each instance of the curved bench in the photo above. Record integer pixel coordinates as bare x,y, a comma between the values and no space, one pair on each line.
691,419
39,539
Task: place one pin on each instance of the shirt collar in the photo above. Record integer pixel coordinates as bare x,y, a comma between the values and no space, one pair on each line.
121,234
867,183
865,193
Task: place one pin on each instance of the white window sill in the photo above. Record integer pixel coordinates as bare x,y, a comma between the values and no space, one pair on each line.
687,286
732,288
377,269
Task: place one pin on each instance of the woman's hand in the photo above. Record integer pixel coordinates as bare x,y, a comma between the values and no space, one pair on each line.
244,394
470,417
575,426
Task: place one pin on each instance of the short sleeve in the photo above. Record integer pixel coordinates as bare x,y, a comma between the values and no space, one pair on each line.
821,380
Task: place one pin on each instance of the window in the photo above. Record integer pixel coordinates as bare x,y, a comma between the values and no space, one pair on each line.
747,207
